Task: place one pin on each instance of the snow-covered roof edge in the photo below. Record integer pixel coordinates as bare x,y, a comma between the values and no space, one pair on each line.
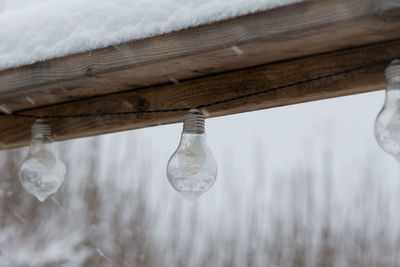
62,27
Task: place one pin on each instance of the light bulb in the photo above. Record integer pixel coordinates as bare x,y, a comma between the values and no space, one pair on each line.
41,173
387,123
192,169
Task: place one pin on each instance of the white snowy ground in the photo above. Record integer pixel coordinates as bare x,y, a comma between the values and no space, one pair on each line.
304,183
32,31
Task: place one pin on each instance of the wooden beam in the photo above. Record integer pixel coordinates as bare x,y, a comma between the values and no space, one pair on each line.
299,30
16,131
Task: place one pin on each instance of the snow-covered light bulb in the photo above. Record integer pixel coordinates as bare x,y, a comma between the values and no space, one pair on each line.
387,123
192,169
41,173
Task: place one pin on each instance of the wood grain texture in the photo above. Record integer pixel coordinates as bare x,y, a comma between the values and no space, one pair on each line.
294,31
16,131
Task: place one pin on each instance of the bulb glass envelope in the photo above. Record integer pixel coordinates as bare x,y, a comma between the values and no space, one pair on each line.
192,169
387,123
41,173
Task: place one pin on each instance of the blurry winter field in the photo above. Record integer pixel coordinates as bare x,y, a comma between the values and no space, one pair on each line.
302,185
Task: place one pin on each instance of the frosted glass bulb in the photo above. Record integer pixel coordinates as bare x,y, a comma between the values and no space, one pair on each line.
192,169
387,123
41,173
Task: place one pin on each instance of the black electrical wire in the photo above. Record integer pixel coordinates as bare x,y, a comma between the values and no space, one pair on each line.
270,90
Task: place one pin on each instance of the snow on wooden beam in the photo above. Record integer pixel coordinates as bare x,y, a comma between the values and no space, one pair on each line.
16,131
284,33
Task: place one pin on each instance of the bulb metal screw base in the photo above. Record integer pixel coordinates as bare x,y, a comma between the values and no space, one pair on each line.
41,130
193,122
393,72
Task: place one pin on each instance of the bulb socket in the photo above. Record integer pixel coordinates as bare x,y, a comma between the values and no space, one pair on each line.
41,130
193,122
393,72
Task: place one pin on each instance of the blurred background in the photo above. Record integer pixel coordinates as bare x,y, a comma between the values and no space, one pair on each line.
302,185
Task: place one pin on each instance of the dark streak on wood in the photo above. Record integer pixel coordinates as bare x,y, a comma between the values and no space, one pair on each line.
15,132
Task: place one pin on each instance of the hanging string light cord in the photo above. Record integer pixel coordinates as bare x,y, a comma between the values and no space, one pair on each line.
270,90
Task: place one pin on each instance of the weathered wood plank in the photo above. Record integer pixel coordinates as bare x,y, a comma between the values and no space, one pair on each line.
293,31
15,131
